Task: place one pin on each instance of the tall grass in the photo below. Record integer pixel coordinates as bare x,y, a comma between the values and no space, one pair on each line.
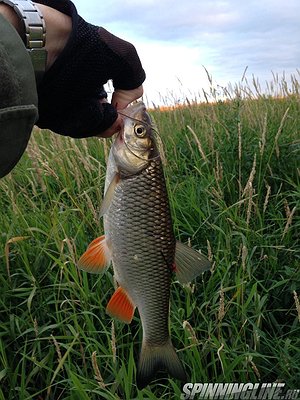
233,176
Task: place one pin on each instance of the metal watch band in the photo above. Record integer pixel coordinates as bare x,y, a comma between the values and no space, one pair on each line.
35,33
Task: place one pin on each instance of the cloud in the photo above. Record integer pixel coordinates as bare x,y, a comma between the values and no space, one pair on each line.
175,72
175,39
193,19
165,20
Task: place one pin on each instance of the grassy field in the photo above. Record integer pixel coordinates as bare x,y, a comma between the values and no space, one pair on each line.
232,169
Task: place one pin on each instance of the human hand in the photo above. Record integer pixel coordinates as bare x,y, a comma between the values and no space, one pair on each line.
71,92
122,98
114,128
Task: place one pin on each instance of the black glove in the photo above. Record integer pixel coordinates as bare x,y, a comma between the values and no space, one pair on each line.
71,90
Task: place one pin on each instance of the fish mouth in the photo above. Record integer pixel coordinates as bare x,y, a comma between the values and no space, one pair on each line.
133,110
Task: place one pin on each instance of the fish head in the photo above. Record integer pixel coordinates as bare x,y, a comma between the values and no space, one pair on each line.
135,144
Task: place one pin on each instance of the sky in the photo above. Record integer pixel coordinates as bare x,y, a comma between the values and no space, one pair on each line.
178,41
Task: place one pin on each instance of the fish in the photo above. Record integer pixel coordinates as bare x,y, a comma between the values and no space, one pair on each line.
140,243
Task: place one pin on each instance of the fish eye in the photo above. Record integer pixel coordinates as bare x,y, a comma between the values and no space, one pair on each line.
140,130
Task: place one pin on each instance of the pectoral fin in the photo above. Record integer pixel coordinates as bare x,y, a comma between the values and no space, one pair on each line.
189,263
120,306
109,194
97,256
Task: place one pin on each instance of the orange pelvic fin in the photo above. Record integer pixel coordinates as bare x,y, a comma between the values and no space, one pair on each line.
97,256
120,306
189,263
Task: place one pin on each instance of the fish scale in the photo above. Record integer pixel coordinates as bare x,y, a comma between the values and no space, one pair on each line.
140,242
145,271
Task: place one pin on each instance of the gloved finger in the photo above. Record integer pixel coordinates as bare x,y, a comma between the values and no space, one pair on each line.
116,127
84,119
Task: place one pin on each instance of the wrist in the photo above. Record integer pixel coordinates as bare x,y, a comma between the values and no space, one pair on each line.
58,25
29,23
59,28
11,16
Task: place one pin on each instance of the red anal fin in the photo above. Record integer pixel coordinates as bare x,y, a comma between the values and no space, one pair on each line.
97,256
120,306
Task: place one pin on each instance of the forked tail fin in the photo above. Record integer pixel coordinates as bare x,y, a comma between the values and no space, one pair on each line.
154,358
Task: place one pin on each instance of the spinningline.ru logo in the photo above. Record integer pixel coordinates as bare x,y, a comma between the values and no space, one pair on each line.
241,391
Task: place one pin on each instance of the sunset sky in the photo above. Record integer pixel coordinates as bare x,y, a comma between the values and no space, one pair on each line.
176,40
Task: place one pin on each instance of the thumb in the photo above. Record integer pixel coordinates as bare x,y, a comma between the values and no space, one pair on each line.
121,98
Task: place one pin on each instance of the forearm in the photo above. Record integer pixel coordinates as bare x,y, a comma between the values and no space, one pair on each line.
10,15
58,30
58,26
81,59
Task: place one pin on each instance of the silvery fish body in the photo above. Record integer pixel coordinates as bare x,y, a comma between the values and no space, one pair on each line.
140,242
138,225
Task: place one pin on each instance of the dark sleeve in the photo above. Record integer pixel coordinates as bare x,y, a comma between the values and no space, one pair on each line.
70,91
126,68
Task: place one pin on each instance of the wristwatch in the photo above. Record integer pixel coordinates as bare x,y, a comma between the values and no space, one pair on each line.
35,33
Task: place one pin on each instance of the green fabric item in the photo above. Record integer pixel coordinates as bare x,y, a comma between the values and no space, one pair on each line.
18,97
